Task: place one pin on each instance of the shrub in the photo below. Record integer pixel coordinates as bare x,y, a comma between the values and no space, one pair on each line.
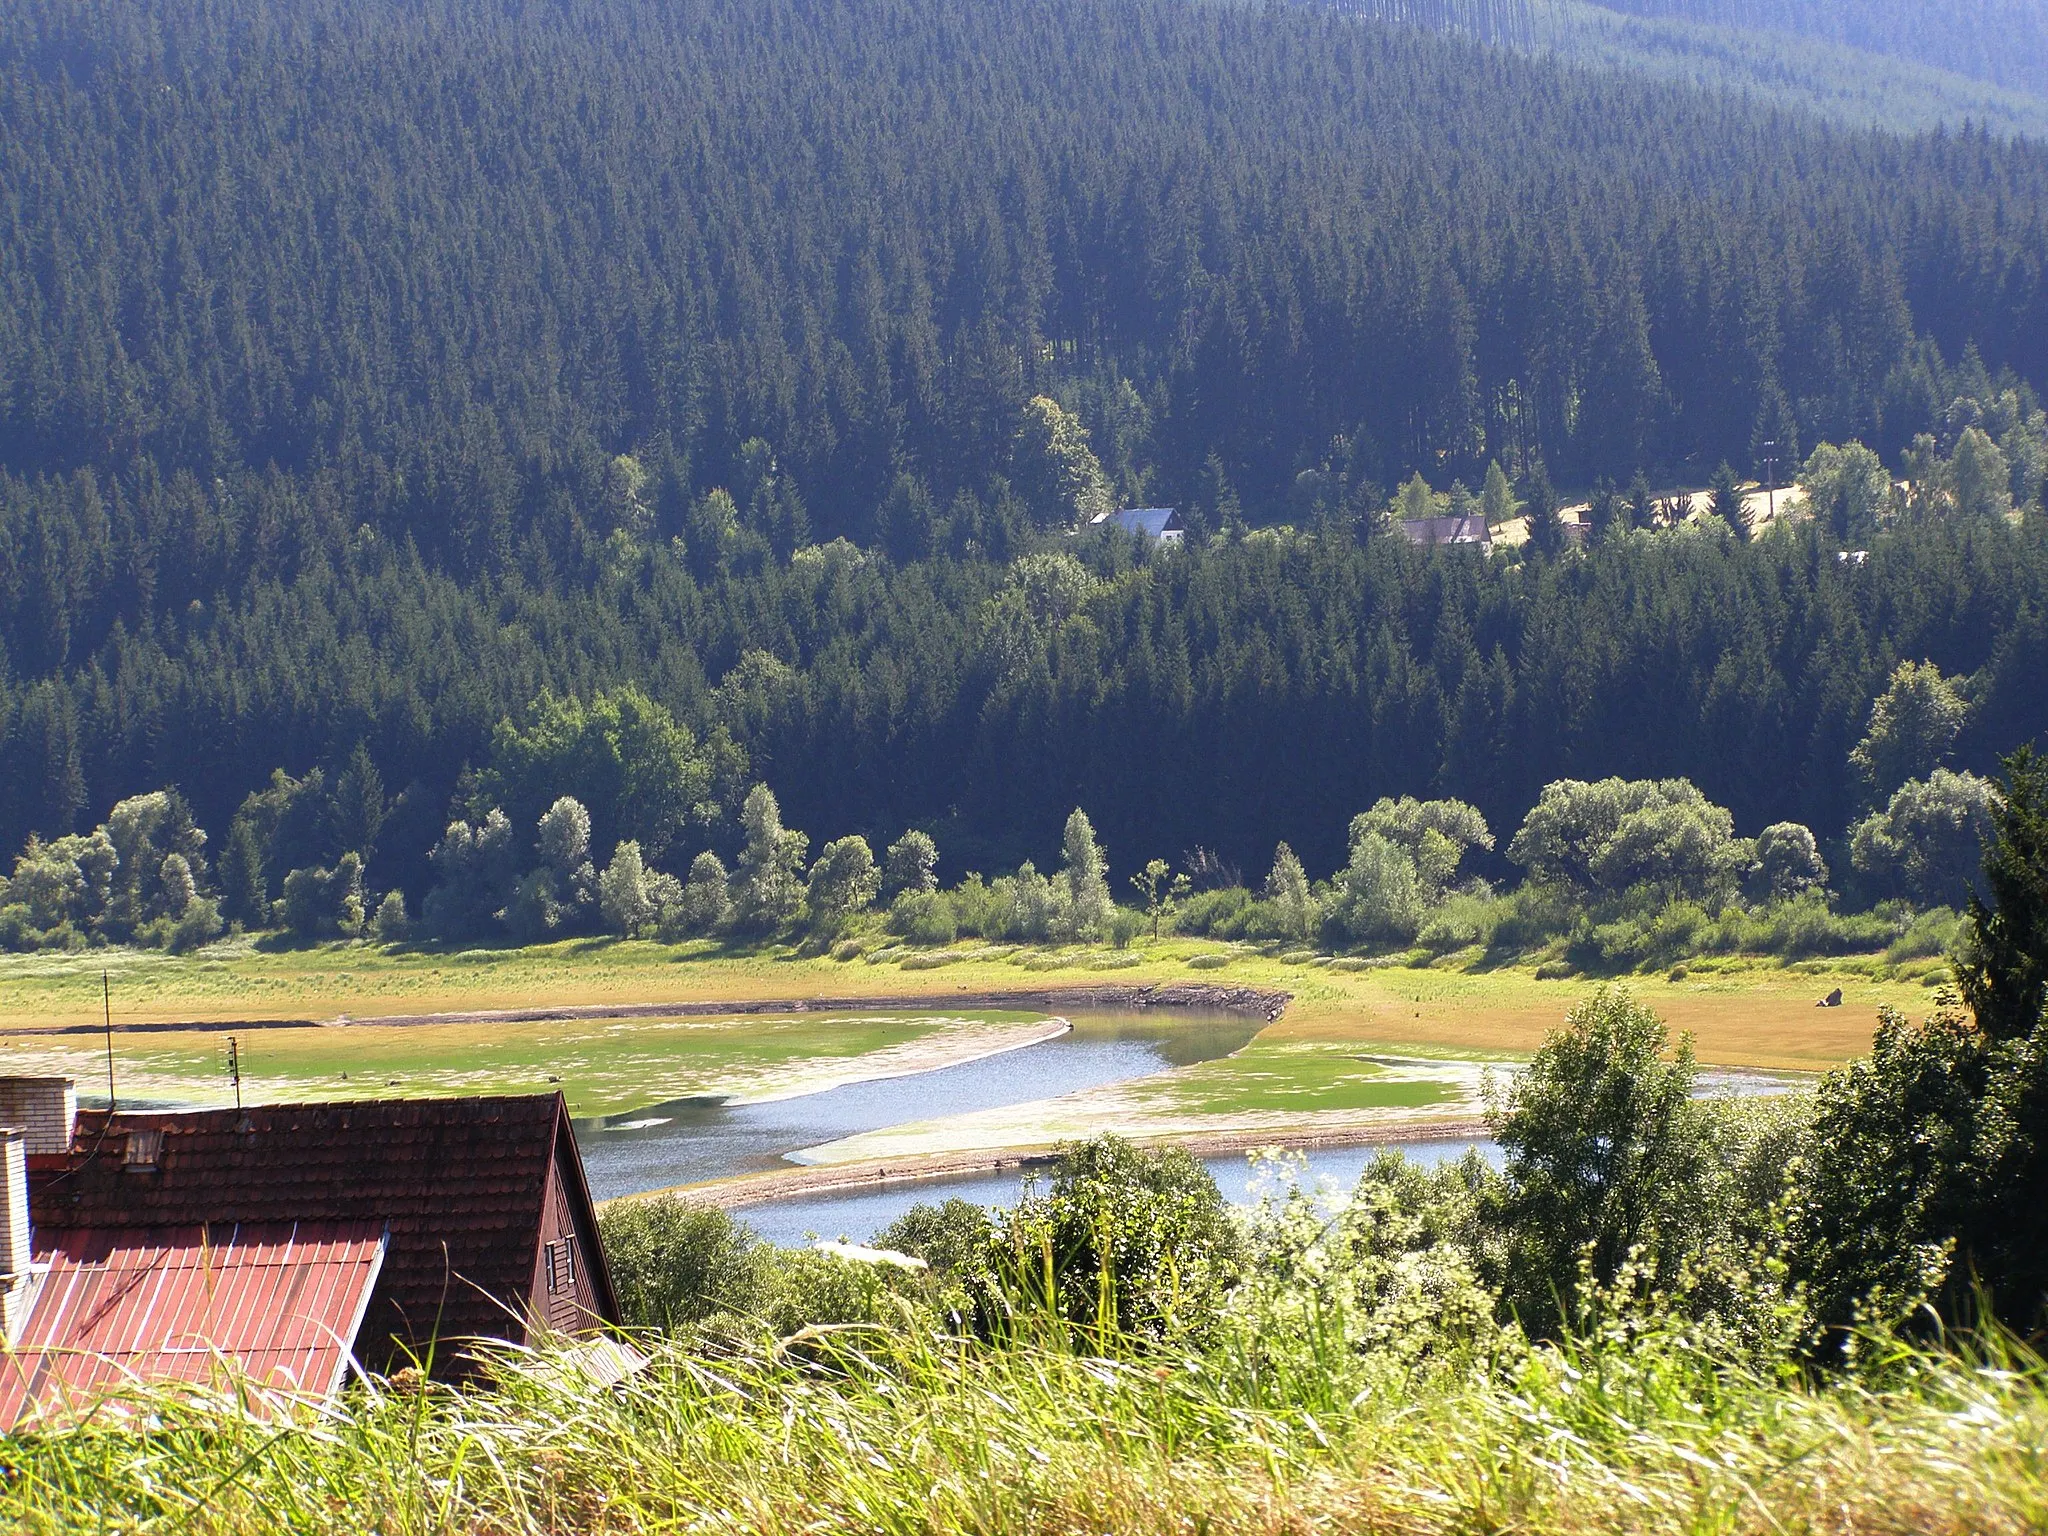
703,903
1394,1273
674,1263
390,925
1460,921
1929,934
977,908
1127,1241
1379,895
923,917
198,924
1217,913
952,1237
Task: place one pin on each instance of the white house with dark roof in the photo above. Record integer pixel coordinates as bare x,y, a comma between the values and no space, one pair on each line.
1161,523
1430,532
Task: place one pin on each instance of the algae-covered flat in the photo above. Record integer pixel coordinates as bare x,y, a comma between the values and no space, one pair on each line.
604,1066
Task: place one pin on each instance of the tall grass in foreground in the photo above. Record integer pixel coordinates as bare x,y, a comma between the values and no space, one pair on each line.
892,1430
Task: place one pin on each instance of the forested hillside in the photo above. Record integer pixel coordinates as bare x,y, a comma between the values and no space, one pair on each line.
1903,65
366,370
2003,41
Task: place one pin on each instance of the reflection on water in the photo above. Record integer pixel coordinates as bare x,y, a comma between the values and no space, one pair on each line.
862,1213
685,1140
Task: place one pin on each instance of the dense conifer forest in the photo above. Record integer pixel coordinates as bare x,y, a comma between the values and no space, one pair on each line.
367,371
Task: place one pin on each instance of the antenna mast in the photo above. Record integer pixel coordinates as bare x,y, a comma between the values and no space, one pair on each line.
107,1012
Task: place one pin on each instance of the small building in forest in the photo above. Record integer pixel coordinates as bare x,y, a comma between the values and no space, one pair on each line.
1160,523
1433,532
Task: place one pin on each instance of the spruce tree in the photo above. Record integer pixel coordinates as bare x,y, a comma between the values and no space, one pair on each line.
2004,975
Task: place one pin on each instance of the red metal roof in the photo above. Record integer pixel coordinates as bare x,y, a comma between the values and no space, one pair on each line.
275,1305
460,1183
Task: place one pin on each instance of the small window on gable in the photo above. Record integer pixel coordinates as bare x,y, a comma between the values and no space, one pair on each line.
561,1265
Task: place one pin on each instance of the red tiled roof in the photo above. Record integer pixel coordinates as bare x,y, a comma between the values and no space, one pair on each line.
460,1182
278,1305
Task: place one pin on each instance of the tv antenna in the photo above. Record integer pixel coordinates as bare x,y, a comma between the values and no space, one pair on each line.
107,1013
235,1068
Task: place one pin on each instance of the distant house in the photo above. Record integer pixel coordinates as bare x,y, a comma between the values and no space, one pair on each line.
1431,532
288,1238
1161,523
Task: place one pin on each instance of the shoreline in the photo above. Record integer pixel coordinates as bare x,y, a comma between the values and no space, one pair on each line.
749,1189
914,1060
1189,997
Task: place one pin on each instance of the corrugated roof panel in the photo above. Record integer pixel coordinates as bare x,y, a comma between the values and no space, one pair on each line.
280,1303
461,1183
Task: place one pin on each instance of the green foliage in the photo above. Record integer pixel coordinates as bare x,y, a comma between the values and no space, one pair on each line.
843,883
924,917
1724,500
558,895
1609,1161
1287,891
322,903
674,1263
1787,863
628,897
1848,490
1979,478
703,903
137,878
621,754
198,924
911,865
767,889
1436,834
1162,890
1496,498
1913,725
952,1236
1377,895
1926,844
1126,1243
1082,905
391,924
478,868
1611,836
1394,1275
2003,975
1054,469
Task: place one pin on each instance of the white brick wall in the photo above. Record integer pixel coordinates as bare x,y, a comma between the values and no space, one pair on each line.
15,1291
44,1107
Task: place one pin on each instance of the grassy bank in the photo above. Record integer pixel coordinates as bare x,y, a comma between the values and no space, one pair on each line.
1743,1012
870,1431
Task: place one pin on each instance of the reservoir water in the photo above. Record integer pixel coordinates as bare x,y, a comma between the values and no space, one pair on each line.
687,1140
690,1140
859,1214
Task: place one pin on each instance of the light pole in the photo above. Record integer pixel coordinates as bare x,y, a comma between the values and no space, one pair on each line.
1770,458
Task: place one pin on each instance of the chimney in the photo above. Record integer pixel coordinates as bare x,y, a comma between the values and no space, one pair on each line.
17,1281
45,1108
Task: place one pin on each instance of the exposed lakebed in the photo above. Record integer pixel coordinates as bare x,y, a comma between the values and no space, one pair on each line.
692,1141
